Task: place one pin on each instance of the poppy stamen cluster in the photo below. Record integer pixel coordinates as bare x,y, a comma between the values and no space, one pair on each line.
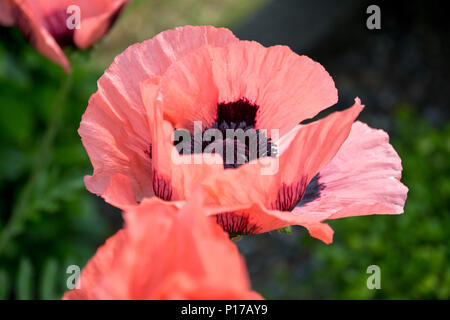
238,141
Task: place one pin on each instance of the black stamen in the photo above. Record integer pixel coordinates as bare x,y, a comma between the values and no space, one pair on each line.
245,145
237,112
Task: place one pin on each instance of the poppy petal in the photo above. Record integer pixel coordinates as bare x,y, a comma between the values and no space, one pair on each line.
96,21
120,192
363,178
114,148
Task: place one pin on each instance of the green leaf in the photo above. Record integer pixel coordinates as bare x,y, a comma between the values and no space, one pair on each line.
48,280
24,282
4,285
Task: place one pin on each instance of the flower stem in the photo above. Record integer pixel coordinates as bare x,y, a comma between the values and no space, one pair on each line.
41,162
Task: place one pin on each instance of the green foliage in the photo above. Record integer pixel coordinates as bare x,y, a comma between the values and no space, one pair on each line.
4,285
24,282
48,281
60,224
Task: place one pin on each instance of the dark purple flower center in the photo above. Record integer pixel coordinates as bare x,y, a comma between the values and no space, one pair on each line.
233,135
237,112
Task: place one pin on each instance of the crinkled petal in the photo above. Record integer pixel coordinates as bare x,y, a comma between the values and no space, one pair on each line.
363,179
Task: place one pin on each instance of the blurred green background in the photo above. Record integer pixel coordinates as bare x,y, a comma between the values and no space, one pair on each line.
48,220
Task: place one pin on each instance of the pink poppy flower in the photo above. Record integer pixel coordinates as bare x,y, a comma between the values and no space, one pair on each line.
164,252
46,23
327,169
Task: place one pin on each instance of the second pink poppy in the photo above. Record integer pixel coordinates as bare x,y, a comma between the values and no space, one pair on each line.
51,25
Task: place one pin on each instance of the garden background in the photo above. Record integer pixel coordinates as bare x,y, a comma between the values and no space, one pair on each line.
48,220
